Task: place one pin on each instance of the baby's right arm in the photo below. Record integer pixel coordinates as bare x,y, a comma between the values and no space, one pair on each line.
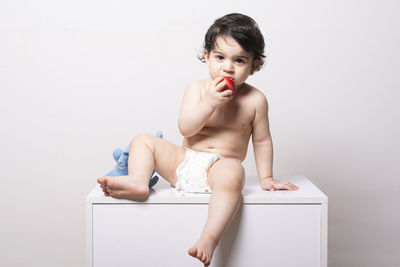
195,110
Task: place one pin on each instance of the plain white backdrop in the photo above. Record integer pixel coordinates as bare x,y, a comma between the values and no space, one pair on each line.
80,78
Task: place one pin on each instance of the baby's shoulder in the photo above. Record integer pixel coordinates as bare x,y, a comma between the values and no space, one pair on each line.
197,83
253,94
196,88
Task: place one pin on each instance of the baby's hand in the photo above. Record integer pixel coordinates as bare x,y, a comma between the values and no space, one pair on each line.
215,94
271,184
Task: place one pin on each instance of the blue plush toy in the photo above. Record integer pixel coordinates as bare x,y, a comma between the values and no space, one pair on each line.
121,157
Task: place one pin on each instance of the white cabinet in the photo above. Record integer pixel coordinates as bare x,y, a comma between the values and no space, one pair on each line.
277,229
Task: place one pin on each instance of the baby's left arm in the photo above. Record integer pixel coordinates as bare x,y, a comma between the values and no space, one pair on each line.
263,149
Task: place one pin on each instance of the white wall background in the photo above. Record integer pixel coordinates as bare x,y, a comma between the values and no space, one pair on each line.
79,78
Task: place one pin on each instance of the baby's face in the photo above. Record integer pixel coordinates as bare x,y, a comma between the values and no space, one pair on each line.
228,58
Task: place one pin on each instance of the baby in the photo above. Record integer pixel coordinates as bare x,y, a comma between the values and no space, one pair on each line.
217,125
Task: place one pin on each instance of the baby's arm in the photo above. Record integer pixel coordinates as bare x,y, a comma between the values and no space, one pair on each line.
263,149
197,110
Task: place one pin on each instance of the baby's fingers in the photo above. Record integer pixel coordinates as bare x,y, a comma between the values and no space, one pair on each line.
227,93
220,86
217,80
268,186
287,186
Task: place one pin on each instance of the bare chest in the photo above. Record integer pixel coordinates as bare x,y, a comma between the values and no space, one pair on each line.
233,116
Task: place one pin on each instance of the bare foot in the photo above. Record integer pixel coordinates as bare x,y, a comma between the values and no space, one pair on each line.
204,249
123,187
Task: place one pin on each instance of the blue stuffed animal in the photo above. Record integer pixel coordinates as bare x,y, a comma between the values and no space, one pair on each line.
121,157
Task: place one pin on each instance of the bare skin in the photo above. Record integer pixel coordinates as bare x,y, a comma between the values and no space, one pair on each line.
211,120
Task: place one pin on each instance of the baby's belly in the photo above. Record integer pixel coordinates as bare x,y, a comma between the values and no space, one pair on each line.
232,144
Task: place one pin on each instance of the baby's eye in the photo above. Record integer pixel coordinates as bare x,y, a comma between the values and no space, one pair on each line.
240,61
220,57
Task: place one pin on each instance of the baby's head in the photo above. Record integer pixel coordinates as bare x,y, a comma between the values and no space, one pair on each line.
244,30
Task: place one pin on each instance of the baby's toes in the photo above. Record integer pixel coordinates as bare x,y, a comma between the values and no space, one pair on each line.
102,180
204,258
207,261
106,191
199,254
192,252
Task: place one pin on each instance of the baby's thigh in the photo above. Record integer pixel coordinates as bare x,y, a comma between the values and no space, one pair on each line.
167,156
226,174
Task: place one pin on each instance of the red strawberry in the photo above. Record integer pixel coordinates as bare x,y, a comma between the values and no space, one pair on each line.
230,84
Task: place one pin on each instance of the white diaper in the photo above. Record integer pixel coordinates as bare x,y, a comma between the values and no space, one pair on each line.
192,172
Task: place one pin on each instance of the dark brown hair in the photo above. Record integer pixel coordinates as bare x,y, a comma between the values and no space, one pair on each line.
243,29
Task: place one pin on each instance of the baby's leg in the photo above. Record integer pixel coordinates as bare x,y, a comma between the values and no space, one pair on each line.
226,180
146,152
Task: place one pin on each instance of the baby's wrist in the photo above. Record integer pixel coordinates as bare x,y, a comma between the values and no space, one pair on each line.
207,105
266,182
266,179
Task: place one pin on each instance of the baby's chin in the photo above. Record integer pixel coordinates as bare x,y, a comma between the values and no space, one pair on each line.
239,85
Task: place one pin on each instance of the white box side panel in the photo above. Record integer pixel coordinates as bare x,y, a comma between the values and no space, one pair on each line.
160,235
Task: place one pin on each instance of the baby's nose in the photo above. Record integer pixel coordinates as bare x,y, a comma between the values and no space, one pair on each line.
228,66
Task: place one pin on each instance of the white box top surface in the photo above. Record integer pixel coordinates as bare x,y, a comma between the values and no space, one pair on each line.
307,193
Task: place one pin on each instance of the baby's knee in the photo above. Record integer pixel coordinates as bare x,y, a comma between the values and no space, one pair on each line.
233,177
142,138
238,178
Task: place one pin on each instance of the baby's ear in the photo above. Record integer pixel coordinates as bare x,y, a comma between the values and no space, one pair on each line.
206,55
254,66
